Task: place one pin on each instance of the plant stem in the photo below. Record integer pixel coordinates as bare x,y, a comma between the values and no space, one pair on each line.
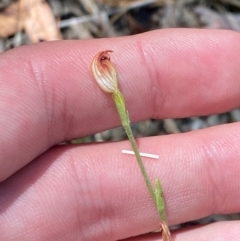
121,107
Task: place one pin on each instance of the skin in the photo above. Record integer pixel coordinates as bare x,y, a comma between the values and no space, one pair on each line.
93,192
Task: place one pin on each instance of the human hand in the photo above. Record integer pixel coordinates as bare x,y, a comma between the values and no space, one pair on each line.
93,192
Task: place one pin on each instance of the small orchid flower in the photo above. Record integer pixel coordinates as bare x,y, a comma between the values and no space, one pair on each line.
105,74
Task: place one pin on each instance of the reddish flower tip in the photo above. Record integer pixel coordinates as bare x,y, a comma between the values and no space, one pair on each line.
104,71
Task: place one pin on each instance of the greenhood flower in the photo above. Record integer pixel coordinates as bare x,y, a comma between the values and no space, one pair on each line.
104,72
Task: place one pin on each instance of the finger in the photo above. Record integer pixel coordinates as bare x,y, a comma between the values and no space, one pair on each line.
216,231
48,94
94,192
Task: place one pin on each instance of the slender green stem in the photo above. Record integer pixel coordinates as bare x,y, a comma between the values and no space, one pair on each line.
121,107
156,192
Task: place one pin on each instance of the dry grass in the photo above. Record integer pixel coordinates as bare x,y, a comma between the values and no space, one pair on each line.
84,19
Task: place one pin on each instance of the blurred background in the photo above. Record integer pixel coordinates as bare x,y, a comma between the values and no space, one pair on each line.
30,21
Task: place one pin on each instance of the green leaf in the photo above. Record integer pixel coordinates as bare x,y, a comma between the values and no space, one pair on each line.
159,199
